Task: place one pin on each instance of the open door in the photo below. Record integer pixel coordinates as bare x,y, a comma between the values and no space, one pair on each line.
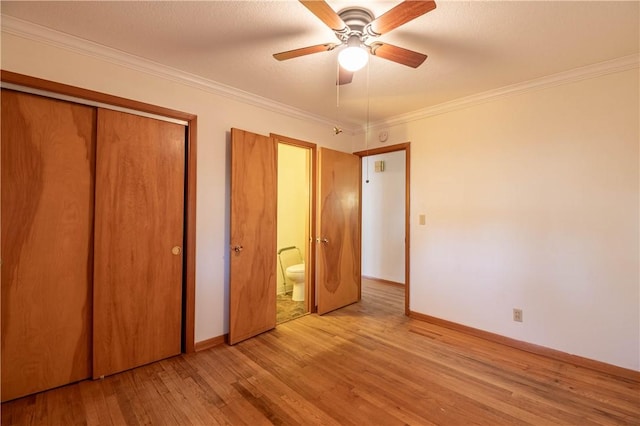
338,276
253,258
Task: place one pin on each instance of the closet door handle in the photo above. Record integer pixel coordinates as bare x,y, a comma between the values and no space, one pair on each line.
176,250
237,249
324,240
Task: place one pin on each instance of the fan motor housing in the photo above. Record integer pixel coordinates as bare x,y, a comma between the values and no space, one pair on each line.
356,18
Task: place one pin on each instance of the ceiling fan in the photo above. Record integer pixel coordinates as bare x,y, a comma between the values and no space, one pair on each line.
355,27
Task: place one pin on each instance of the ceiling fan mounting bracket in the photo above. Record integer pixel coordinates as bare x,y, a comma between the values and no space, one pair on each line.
357,20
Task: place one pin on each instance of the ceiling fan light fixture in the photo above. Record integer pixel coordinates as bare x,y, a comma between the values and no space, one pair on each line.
354,56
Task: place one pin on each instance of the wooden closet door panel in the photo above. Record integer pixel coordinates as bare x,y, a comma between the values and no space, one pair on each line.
48,151
138,241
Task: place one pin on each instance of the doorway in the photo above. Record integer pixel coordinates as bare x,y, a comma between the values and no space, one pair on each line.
293,230
333,270
385,216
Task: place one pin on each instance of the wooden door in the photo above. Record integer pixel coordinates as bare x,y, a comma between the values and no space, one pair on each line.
138,241
48,152
338,276
253,261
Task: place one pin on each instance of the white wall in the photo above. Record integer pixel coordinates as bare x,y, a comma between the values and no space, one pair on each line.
383,217
216,116
531,201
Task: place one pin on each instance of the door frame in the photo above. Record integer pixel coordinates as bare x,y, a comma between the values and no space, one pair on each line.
393,148
189,269
310,275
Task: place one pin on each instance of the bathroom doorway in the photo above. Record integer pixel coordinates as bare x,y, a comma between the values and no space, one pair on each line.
294,228
385,216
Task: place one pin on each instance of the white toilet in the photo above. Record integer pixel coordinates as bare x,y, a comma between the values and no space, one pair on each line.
296,274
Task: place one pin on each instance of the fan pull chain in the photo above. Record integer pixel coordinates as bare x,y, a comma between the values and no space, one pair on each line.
366,134
336,129
337,85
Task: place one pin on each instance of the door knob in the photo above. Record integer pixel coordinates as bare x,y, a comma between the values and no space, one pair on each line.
237,249
176,250
325,241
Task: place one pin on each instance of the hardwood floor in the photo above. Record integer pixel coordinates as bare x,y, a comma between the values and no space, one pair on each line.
366,364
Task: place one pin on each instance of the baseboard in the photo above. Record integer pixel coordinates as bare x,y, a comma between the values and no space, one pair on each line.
284,290
579,361
210,343
381,281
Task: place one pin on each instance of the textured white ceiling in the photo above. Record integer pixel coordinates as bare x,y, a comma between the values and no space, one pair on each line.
473,47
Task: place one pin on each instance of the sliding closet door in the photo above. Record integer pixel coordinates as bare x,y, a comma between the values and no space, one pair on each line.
138,241
47,218
338,266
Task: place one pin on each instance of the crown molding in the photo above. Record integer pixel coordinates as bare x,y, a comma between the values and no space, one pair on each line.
41,34
84,47
624,63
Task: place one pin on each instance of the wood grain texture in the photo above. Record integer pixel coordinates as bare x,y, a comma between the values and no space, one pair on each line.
91,95
325,13
365,364
212,342
48,151
397,54
252,277
290,54
338,262
400,14
189,253
139,218
383,281
407,228
605,368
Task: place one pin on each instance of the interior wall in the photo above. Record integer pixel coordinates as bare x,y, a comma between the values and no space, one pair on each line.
217,114
293,206
531,202
383,217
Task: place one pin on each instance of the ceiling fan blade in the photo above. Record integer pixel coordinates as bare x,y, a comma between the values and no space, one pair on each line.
326,14
399,15
289,54
344,76
398,54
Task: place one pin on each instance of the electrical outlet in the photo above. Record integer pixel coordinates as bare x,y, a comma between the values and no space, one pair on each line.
517,315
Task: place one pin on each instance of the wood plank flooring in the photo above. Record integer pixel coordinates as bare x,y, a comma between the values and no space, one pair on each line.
366,364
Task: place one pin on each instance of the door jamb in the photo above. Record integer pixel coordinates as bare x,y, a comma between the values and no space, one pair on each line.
393,148
189,252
